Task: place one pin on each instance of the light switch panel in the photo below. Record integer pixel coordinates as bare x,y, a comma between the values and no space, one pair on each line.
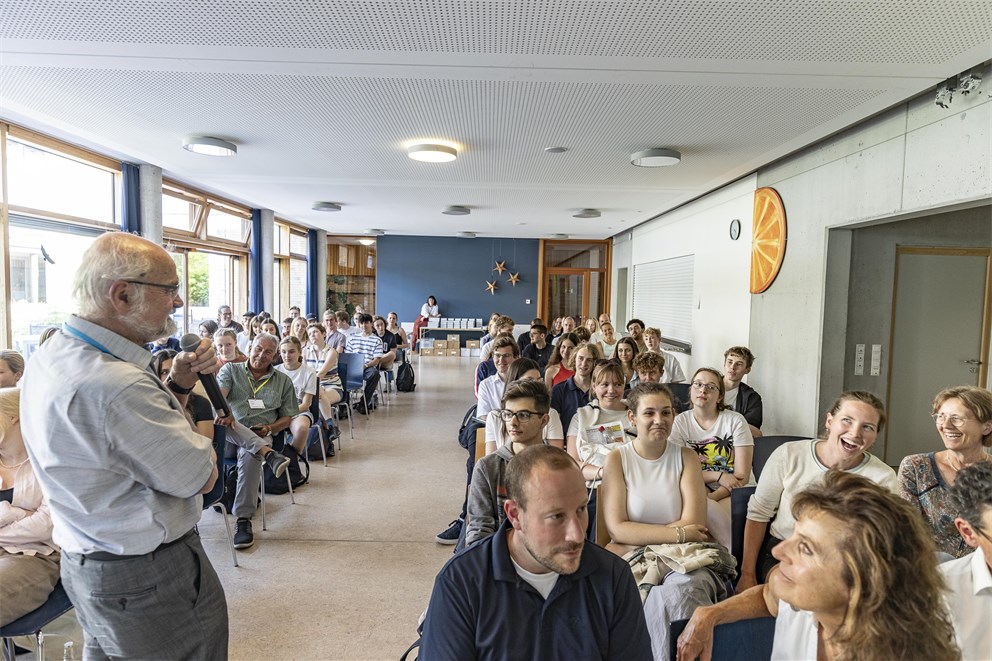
876,359
859,360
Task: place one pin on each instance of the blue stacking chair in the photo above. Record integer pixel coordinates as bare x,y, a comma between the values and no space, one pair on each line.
31,624
213,498
353,381
746,640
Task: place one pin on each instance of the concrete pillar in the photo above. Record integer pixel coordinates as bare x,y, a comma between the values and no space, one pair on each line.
322,270
268,261
150,201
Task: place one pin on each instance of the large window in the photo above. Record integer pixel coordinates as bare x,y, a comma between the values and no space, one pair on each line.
574,278
289,274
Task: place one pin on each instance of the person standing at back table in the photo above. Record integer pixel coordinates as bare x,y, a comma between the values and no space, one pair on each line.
120,465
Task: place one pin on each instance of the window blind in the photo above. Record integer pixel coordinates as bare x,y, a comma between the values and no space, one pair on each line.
663,295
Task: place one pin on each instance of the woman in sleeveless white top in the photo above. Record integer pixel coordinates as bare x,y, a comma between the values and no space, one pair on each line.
653,494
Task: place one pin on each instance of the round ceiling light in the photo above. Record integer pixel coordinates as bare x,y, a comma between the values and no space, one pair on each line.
556,150
203,144
656,157
587,213
457,210
366,242
326,206
432,153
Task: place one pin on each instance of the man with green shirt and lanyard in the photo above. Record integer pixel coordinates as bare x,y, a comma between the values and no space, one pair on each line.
263,400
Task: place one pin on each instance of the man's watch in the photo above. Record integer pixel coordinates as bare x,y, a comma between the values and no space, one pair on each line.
176,388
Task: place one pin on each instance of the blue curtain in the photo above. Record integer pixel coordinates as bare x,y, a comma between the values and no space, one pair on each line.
256,299
315,289
130,199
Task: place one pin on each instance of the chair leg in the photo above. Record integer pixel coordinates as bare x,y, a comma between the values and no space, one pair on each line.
8,649
230,535
261,490
351,418
289,483
323,444
40,645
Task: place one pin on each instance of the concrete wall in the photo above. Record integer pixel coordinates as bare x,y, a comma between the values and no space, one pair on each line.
455,271
721,309
912,160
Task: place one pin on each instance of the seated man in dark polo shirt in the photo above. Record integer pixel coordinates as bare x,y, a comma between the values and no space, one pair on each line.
538,349
263,400
535,589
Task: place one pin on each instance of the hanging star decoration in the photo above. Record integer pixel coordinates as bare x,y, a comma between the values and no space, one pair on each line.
500,267
514,279
491,287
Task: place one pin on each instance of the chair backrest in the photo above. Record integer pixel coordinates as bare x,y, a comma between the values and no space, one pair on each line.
480,443
763,448
55,606
602,534
215,494
681,392
738,518
744,640
353,376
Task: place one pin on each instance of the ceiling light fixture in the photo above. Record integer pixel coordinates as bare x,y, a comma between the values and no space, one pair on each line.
432,153
204,144
556,150
656,157
559,236
466,235
326,206
587,213
457,210
366,242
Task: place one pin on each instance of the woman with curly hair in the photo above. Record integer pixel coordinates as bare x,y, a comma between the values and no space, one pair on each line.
856,580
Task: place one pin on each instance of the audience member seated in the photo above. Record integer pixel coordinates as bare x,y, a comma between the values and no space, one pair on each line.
510,595
393,326
570,395
252,328
490,328
11,368
225,319
584,335
357,315
723,444
226,345
207,329
623,355
555,330
160,344
389,343
648,367
568,325
198,409
29,558
590,325
598,428
304,379
857,580
505,351
561,362
294,312
852,427
496,431
673,369
504,326
969,578
298,329
263,402
635,330
653,494
524,414
332,336
523,340
344,327
323,358
286,327
744,399
368,345
272,328
537,348
963,416
609,340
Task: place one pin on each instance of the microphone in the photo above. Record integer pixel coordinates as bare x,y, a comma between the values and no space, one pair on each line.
191,342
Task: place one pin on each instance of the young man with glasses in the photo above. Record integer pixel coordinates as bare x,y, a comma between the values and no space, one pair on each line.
524,411
969,578
225,319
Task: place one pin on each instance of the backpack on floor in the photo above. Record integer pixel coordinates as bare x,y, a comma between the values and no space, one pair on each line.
298,469
316,437
406,381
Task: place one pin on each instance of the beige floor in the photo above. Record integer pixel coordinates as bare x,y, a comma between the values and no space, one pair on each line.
346,572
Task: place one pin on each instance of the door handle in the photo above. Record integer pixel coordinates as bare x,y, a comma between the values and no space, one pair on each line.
972,362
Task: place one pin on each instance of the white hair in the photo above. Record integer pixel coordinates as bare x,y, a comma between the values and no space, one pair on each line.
113,256
266,336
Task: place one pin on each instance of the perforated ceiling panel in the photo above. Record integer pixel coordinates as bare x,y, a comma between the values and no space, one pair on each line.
922,32
323,96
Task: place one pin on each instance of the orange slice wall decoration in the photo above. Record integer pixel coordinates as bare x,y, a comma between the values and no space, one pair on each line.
767,239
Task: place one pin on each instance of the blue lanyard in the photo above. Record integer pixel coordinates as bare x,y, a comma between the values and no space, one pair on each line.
86,338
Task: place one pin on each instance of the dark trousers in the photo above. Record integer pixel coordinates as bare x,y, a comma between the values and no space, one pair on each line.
371,375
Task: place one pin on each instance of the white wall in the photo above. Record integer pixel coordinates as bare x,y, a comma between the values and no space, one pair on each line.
722,309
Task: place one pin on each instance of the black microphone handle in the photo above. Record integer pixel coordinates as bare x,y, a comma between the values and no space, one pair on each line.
191,342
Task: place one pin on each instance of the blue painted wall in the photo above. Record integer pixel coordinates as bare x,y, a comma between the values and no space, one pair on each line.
455,271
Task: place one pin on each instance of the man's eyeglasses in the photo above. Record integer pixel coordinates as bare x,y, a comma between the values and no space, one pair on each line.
705,387
955,420
502,357
522,416
171,290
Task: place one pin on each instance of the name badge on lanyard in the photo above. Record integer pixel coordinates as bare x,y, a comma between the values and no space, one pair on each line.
255,403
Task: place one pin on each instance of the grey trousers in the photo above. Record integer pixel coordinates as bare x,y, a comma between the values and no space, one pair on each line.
166,604
676,599
25,582
246,444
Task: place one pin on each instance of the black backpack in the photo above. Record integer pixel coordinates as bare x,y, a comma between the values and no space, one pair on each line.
298,469
406,381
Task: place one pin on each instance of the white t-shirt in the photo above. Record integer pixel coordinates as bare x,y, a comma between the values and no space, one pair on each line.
304,379
496,428
543,583
731,398
428,310
490,395
673,369
795,635
715,448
